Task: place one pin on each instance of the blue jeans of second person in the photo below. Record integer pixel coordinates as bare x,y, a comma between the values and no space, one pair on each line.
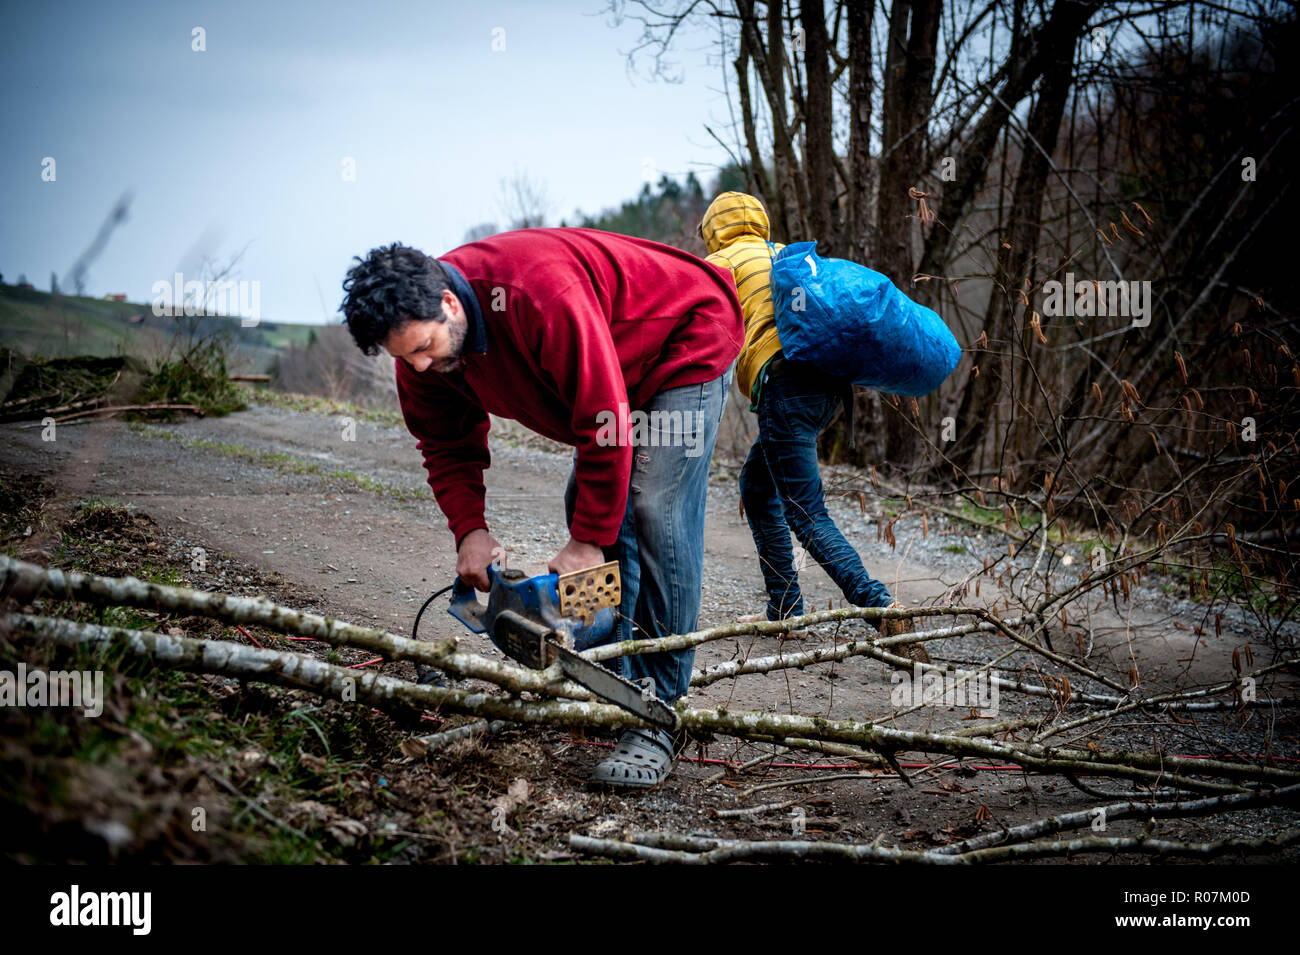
781,488
660,547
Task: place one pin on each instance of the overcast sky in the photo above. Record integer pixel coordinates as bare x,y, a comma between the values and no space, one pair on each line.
245,142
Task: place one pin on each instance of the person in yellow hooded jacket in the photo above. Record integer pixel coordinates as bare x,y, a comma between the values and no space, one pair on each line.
780,483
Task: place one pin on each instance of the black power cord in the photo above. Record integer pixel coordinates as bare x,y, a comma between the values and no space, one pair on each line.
427,675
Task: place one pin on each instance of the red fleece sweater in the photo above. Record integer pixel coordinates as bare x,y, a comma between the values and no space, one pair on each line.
578,322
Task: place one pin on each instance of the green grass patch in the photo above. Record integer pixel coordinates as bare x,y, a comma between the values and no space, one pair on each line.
1226,582
891,506
198,378
994,519
285,463
144,761
316,404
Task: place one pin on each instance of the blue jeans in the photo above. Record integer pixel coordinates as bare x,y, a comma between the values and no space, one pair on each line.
660,547
781,488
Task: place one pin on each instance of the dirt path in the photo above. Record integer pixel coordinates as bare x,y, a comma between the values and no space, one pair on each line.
349,528
370,556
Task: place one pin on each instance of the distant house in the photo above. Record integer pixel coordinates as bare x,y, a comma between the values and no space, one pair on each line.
116,298
27,285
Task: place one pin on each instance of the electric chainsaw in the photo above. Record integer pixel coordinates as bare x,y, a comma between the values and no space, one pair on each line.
538,621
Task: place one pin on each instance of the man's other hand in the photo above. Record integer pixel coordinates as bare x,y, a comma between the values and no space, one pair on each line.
477,550
576,555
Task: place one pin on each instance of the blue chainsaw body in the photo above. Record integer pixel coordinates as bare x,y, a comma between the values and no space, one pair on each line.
535,598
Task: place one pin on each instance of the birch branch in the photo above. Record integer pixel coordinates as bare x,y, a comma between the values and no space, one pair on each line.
441,740
297,670
854,648
1128,809
1150,768
826,654
684,641
755,810
727,851
25,582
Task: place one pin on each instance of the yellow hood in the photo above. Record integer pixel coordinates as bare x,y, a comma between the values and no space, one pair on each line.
731,216
736,229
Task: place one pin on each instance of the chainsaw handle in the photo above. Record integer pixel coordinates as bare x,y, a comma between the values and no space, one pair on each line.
465,605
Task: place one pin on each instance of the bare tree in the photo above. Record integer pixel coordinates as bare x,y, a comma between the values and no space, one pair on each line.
480,231
524,201
993,152
330,365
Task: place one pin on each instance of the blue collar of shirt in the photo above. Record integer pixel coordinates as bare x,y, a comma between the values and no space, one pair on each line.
476,333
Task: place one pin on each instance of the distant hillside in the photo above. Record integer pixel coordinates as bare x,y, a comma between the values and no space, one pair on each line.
38,323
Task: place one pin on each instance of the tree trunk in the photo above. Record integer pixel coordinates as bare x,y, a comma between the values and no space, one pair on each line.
819,152
757,173
1028,58
1016,254
771,74
909,74
858,238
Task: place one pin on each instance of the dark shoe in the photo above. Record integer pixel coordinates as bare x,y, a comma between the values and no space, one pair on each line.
428,676
898,626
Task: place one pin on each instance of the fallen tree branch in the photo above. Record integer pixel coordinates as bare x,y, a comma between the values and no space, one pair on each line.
827,654
686,640
754,810
875,742
296,670
299,671
26,582
1148,768
116,409
1128,809
722,851
683,641
437,741
810,780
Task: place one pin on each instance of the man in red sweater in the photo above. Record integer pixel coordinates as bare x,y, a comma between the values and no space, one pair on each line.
577,334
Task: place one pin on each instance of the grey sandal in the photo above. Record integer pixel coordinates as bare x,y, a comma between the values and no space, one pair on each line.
642,759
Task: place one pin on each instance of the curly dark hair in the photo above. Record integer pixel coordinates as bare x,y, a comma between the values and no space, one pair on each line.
395,284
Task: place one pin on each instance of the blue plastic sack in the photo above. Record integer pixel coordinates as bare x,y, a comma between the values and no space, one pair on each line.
852,322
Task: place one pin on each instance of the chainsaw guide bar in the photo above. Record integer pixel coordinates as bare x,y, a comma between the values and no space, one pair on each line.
548,619
537,646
